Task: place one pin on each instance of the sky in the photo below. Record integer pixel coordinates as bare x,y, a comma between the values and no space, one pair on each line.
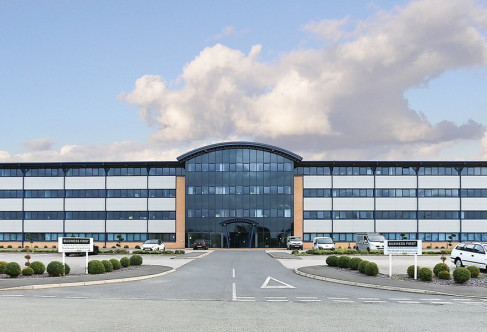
328,80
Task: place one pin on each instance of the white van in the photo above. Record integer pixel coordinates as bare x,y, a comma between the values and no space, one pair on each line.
369,241
323,243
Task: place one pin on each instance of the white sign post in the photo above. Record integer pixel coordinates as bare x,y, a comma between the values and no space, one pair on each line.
404,247
75,244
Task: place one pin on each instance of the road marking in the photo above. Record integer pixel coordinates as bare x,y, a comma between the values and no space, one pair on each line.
337,298
234,292
46,296
307,299
431,299
75,297
368,298
276,299
266,284
461,299
409,302
240,298
399,299
441,303
344,301
374,301
12,295
233,273
472,302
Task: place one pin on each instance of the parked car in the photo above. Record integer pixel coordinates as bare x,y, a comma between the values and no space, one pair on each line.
470,253
96,251
323,243
369,241
294,242
200,244
153,245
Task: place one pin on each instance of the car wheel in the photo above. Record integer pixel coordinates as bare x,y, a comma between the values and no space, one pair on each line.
458,262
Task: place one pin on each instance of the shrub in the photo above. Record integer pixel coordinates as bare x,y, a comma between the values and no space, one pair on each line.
67,269
36,247
12,270
137,247
2,266
53,247
444,275
179,252
113,247
28,271
55,269
107,265
474,271
371,269
136,260
332,260
96,267
425,274
1,247
38,267
295,252
411,271
45,247
125,261
361,266
126,246
344,261
115,263
354,262
461,275
440,267
9,246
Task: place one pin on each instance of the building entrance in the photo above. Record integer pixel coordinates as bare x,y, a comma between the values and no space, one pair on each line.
239,233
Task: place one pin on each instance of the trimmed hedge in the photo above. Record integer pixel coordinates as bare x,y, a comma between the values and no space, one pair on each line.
474,271
67,269
461,275
28,271
12,270
96,267
344,261
354,262
332,260
136,260
411,271
55,269
115,263
425,274
362,265
444,275
125,261
38,267
107,265
2,266
440,267
371,269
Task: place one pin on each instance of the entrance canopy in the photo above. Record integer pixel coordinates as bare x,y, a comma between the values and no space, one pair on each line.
235,221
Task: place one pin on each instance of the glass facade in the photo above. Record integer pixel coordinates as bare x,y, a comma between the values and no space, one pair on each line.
253,186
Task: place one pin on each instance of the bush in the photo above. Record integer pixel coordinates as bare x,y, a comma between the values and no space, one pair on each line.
344,261
125,246
474,271
38,267
45,247
137,247
440,267
411,271
332,260
179,252
12,270
9,246
361,266
67,269
96,267
136,260
354,262
425,274
115,263
108,265
444,275
125,261
55,269
294,252
371,269
28,271
2,266
461,275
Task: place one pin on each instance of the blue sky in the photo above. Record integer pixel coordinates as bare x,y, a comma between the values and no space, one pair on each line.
68,73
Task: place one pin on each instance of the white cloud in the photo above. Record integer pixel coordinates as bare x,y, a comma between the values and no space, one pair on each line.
39,144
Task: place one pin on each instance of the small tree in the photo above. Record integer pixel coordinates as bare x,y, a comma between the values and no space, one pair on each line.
450,240
29,238
27,257
120,240
403,236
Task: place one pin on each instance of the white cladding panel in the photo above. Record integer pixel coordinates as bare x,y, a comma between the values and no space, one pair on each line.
85,226
11,204
162,182
44,183
85,182
394,181
43,226
474,182
317,226
398,203
11,226
358,181
317,181
85,204
162,204
126,226
162,226
439,203
396,226
474,203
126,204
43,204
341,203
317,203
126,182
10,183
474,226
353,226
442,226
439,182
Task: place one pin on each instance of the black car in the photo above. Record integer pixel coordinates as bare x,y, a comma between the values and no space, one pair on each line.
200,244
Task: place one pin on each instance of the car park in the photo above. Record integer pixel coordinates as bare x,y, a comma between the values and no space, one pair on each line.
294,242
200,244
323,243
470,253
153,245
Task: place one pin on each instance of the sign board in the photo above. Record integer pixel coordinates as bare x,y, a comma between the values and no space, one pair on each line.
75,244
403,247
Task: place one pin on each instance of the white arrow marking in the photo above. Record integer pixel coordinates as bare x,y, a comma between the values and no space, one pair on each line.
266,284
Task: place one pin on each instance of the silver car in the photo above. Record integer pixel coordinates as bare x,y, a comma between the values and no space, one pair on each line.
470,253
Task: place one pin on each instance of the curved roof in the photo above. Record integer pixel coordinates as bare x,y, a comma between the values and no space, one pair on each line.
239,145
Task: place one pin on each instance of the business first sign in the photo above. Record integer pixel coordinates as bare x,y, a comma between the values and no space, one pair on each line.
75,244
403,247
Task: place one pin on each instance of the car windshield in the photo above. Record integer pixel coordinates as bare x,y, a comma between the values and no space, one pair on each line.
376,238
151,242
296,238
325,241
199,241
